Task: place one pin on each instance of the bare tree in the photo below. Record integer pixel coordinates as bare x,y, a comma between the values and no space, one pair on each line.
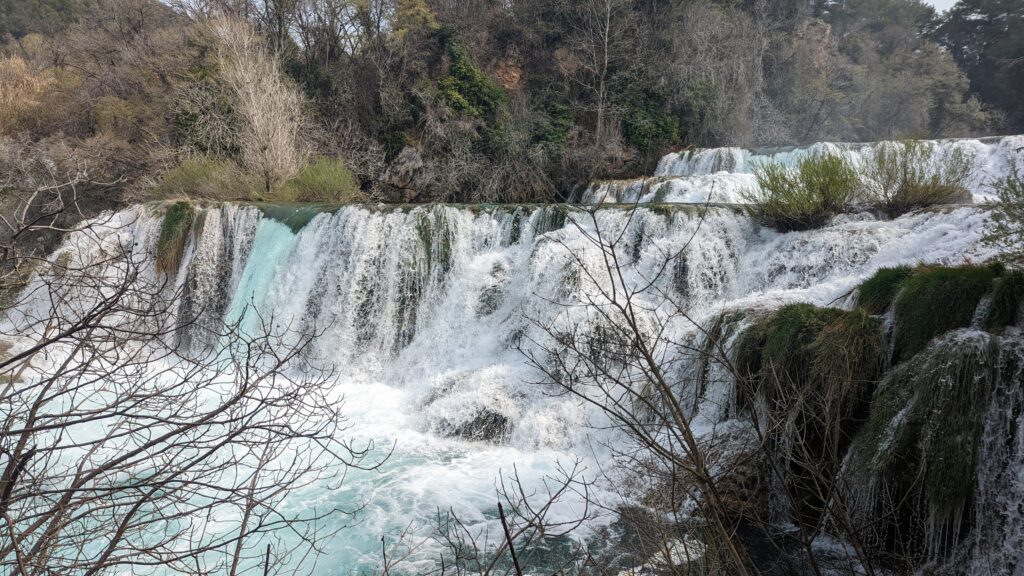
119,452
603,41
269,109
614,358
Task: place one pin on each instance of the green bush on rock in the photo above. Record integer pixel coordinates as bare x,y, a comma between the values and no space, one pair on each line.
902,176
821,186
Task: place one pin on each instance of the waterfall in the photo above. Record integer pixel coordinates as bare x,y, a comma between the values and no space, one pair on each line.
722,175
425,313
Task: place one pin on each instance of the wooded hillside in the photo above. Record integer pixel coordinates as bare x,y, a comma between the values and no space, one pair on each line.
474,100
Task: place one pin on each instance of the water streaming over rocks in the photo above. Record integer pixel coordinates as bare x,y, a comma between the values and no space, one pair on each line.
423,312
721,175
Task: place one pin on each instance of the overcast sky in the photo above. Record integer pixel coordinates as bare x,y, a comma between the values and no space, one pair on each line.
941,5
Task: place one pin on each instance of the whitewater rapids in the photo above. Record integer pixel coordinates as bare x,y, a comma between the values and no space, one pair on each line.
423,311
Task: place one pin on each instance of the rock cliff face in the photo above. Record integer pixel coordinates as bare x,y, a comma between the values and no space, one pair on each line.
407,177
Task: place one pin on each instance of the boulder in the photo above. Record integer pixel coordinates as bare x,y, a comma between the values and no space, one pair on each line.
407,177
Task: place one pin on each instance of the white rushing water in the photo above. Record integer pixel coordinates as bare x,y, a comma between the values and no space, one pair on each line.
423,309
722,175
424,340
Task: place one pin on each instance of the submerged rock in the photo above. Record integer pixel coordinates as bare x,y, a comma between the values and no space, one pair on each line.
487,425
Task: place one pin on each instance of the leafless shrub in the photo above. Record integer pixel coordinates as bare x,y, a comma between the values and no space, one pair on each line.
268,108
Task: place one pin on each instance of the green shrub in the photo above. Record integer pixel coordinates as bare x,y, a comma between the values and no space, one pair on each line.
903,176
877,293
821,186
207,178
327,180
1008,215
647,122
468,89
174,236
934,300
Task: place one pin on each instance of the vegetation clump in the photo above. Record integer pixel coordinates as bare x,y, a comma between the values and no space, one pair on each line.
922,436
811,372
903,176
936,299
1008,214
877,293
174,236
801,347
468,89
207,178
1007,296
326,180
821,186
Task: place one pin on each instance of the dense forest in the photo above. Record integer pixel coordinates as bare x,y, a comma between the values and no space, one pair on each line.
473,100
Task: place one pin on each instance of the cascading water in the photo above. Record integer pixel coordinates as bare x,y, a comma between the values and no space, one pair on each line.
422,312
721,175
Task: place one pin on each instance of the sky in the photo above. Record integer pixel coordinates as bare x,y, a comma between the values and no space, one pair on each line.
941,5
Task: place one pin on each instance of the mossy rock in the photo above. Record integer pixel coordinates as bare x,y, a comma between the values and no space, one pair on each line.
934,300
877,293
1007,296
174,236
922,437
809,372
435,235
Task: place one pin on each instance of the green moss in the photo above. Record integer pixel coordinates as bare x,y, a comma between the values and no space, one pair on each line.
877,293
788,334
811,372
552,218
1006,301
173,236
922,436
934,300
847,354
435,236
516,228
